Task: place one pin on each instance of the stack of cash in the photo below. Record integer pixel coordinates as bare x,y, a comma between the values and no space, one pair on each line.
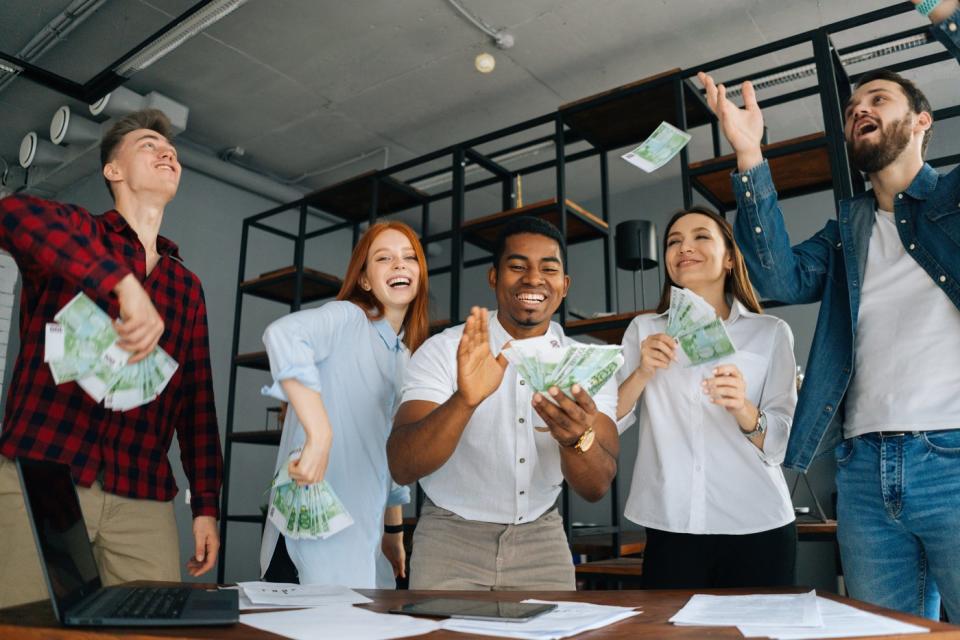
306,512
82,346
544,362
697,328
659,148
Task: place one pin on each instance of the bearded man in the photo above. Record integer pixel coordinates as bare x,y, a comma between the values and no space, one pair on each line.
883,376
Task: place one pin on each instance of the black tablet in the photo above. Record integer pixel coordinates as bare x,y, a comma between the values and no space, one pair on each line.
474,609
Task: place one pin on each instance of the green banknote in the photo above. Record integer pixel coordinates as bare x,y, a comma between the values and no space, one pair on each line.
309,512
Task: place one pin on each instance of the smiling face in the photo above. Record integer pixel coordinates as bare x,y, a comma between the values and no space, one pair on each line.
144,162
879,125
529,282
696,255
392,272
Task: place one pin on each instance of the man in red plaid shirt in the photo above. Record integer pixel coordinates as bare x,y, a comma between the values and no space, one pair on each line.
119,459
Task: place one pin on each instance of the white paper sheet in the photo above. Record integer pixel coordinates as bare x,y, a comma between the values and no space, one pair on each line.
778,610
569,618
270,594
839,621
338,621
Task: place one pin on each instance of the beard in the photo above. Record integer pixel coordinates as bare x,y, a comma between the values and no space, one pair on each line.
871,157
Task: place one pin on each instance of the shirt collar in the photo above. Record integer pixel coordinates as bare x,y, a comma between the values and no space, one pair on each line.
118,223
923,183
393,341
500,336
736,310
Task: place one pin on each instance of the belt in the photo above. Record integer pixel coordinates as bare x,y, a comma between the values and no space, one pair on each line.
895,434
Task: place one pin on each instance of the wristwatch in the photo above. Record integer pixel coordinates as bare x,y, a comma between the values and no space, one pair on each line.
585,441
758,429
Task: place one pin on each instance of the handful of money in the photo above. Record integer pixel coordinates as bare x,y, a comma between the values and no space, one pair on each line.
82,346
311,512
694,323
544,362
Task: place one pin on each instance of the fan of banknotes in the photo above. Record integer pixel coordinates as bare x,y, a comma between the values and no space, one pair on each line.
694,323
306,512
82,346
544,362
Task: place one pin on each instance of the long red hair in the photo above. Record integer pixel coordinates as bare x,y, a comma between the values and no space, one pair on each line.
416,324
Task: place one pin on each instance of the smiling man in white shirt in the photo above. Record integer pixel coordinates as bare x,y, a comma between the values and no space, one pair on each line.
465,429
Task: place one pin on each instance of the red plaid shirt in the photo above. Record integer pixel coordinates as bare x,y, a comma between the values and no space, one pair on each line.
62,249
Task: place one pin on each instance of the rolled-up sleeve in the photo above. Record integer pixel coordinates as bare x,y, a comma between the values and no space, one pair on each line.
296,344
778,400
431,374
399,495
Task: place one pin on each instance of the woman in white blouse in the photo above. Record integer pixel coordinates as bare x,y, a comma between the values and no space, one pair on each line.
707,484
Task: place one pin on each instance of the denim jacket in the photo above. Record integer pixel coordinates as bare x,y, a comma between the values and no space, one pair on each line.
829,268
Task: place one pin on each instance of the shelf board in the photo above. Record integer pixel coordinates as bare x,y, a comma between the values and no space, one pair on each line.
609,329
799,166
601,546
268,437
351,198
628,114
255,360
581,224
251,519
280,285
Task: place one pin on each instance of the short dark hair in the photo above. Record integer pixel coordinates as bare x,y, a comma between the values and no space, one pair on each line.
528,224
152,119
917,100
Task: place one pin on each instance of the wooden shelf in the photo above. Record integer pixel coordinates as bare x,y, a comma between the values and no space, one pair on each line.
268,437
628,114
280,285
581,224
799,166
612,567
601,546
609,329
255,360
351,199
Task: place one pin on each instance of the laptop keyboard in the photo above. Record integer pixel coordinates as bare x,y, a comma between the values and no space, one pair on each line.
149,602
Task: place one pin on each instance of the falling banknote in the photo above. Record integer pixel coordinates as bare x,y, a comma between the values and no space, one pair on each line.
305,512
659,148
693,322
82,346
544,362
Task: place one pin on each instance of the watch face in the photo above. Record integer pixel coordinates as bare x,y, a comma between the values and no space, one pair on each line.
586,440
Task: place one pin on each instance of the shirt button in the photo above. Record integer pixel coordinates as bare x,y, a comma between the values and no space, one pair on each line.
521,420
758,229
912,246
952,26
839,244
943,278
744,179
828,408
747,194
903,221
523,492
520,518
522,460
899,196
522,382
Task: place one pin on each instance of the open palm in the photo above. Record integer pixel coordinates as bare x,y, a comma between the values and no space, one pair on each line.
478,373
743,127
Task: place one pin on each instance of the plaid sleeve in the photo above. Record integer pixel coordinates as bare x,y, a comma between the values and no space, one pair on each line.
61,239
198,433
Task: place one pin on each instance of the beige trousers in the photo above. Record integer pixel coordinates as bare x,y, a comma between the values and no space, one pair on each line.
450,552
132,539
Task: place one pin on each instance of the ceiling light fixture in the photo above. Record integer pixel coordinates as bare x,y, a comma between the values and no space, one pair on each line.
69,128
9,67
196,23
35,151
484,62
501,37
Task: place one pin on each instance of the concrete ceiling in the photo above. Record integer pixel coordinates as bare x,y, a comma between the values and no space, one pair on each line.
303,85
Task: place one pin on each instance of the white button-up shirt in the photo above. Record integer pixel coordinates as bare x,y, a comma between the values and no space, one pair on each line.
695,471
503,470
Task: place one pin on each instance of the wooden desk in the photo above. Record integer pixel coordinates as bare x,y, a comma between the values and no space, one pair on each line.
36,621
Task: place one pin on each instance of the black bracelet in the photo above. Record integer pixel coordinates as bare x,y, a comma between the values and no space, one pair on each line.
393,528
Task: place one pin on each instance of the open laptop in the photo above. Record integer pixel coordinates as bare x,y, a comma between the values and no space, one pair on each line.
66,557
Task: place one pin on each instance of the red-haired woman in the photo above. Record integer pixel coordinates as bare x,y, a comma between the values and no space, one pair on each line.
340,366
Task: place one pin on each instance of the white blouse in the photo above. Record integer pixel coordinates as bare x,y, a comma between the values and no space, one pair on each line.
695,471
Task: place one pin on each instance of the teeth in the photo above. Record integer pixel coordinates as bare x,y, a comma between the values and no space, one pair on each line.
525,297
392,282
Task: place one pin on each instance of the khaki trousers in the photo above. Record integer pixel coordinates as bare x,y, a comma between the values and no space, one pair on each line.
132,539
450,552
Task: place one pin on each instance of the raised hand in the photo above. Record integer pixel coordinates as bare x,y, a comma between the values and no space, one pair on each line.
743,127
478,373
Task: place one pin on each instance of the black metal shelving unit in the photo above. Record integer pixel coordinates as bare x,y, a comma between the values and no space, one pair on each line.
602,123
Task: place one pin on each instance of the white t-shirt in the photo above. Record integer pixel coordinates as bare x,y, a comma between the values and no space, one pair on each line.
695,471
907,363
503,470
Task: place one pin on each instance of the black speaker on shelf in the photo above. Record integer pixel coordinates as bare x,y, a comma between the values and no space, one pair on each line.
636,249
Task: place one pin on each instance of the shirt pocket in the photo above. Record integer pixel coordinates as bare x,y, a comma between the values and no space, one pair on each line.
947,219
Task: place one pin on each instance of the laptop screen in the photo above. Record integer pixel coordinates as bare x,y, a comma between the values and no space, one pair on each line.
59,531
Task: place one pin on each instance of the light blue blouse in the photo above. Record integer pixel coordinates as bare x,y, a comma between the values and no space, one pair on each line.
357,367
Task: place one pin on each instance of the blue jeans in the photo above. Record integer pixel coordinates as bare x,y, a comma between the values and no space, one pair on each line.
898,513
